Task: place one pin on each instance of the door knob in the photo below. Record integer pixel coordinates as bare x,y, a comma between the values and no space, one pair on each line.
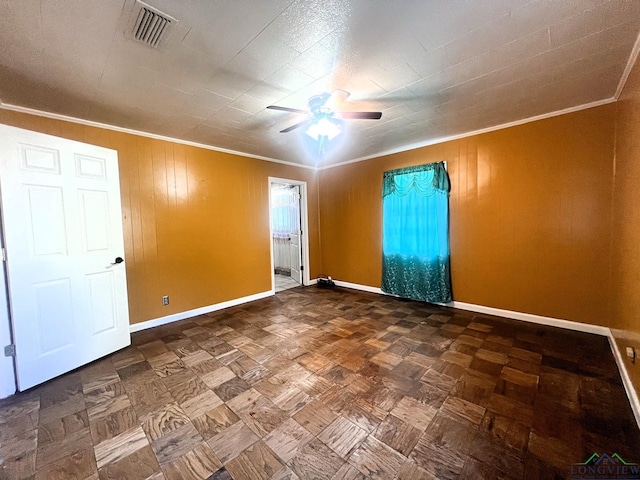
118,260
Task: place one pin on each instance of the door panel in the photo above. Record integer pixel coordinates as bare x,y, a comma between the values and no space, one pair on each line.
62,229
94,213
102,301
45,212
52,299
39,159
90,167
294,246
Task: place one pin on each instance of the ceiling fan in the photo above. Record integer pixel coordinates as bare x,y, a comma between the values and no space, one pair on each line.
322,111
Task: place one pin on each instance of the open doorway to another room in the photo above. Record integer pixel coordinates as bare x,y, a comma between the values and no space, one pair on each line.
288,233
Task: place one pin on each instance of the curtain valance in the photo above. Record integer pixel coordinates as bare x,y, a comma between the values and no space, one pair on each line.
424,179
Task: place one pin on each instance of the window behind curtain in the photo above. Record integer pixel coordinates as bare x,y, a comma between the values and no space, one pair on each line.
415,233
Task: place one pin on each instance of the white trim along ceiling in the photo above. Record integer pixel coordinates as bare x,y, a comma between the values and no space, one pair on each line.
435,70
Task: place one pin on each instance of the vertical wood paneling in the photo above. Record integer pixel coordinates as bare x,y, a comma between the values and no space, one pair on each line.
625,269
178,222
196,222
152,297
125,144
159,153
530,216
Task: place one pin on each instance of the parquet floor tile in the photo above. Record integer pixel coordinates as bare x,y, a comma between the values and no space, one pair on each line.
327,384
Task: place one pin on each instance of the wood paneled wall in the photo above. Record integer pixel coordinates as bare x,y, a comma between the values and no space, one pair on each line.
530,216
539,222
196,221
625,315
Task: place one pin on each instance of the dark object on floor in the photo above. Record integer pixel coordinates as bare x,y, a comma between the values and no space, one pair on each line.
325,282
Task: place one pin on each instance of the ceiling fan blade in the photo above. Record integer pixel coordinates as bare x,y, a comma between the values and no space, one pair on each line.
293,127
287,109
336,98
359,115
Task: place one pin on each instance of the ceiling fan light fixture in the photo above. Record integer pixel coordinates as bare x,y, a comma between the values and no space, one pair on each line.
323,127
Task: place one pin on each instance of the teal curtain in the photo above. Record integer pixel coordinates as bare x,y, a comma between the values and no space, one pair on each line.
415,233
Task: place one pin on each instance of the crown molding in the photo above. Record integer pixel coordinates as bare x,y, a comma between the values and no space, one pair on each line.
405,148
90,123
627,69
436,141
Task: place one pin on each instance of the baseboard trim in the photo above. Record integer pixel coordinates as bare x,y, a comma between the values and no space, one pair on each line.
531,318
632,395
136,327
357,286
525,317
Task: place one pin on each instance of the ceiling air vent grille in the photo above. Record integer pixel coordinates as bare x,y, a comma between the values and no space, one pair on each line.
151,26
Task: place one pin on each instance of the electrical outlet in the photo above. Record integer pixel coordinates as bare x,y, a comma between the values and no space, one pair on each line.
165,300
631,353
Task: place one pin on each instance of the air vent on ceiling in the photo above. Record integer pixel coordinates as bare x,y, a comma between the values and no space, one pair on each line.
151,26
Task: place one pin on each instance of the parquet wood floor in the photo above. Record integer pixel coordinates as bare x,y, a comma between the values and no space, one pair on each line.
327,384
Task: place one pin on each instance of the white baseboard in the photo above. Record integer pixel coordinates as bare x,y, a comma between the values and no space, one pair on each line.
526,317
356,286
632,395
156,322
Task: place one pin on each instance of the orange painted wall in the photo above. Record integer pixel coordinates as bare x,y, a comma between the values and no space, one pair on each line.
530,211
196,221
530,217
625,318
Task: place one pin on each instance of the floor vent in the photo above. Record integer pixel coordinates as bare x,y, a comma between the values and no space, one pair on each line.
151,26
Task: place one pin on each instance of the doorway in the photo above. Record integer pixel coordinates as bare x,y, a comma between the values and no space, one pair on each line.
288,227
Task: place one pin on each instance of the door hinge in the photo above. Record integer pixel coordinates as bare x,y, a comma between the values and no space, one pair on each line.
10,351
301,268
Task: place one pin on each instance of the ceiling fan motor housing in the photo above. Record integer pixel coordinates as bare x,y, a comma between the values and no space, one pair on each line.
320,112
317,102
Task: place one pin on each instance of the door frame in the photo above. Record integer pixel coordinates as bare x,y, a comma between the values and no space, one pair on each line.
304,227
8,385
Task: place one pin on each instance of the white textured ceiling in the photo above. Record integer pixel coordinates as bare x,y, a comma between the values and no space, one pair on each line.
434,68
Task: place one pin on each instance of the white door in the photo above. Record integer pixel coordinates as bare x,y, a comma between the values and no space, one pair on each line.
63,229
295,245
